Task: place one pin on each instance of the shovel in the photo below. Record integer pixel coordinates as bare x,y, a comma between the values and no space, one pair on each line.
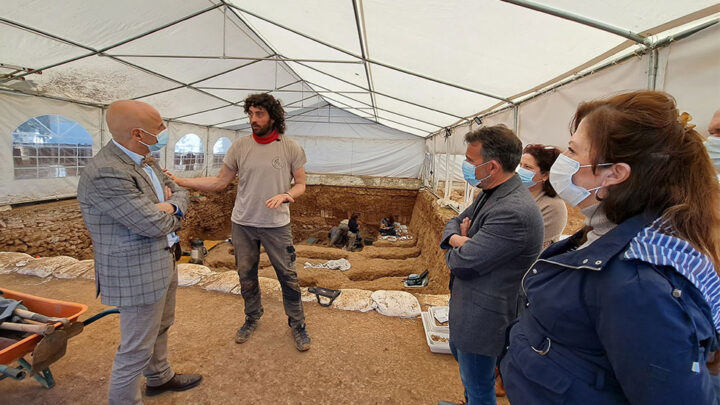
50,349
70,328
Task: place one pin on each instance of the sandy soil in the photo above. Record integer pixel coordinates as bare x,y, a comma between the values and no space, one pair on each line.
363,358
374,268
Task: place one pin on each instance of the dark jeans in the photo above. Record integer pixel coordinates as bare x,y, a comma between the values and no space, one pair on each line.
279,247
477,373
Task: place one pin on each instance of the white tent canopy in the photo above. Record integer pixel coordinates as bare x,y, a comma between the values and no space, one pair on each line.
399,70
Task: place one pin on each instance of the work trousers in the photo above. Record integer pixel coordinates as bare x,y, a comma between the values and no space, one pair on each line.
279,247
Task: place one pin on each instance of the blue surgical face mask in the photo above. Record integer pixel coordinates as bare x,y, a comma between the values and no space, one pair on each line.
526,176
162,140
713,148
561,174
468,170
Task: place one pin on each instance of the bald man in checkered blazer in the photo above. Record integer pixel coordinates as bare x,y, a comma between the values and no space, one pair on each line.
132,211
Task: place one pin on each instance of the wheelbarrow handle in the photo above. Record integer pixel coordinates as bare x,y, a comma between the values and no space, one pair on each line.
23,327
100,315
22,313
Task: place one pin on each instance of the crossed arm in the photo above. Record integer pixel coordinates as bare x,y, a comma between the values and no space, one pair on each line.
116,194
495,242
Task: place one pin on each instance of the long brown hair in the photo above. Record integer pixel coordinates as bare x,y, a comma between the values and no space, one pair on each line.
544,156
671,172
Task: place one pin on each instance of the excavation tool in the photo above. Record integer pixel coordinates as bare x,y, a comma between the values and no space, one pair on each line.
47,325
324,292
417,280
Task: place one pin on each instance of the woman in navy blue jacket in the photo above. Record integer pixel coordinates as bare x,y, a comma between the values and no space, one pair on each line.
626,311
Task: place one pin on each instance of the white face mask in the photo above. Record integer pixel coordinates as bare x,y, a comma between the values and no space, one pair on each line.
561,174
713,148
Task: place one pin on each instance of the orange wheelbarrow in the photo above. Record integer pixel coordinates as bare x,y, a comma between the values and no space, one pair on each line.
45,348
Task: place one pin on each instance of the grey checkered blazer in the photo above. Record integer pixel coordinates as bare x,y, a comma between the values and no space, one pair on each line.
129,234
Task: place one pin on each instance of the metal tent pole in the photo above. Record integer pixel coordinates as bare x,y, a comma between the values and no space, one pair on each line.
98,51
653,69
357,7
580,19
381,94
367,60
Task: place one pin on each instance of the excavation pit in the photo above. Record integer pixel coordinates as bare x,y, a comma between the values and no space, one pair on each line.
56,228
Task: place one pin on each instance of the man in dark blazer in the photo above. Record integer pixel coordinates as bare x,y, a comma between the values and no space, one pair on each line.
132,210
489,247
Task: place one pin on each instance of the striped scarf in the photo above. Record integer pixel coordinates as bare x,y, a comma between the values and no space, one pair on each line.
656,245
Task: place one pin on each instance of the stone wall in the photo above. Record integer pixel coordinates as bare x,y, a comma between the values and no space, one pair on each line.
428,221
312,215
48,229
57,228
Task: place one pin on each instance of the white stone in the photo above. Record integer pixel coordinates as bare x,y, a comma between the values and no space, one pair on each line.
46,266
352,299
306,296
191,274
396,303
222,282
76,270
9,261
269,285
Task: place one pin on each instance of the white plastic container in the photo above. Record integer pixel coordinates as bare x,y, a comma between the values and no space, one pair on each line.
431,330
441,312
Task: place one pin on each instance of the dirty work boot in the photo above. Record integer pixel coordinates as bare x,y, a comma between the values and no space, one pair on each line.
302,339
244,333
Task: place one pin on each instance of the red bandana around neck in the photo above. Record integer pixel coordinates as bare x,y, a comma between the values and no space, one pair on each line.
273,136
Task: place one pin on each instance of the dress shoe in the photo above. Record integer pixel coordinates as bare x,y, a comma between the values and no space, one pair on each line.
179,382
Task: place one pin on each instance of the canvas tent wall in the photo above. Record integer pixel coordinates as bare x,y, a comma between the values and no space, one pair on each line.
335,141
688,69
415,66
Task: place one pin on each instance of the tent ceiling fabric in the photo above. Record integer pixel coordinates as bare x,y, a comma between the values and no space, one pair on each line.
413,65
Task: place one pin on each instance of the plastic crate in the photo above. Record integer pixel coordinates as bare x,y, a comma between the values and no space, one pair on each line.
435,346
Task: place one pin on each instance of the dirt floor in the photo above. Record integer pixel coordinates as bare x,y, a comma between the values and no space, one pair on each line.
381,267
362,358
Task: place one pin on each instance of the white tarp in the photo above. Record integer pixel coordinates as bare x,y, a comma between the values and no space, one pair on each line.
15,111
397,69
692,75
417,66
546,119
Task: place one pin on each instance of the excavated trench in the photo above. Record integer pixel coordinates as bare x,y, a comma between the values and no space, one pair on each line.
56,228
381,266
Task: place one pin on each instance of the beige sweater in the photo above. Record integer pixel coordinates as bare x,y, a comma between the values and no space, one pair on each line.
554,214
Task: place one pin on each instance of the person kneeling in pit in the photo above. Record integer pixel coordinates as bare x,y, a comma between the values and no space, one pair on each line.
387,226
339,234
354,242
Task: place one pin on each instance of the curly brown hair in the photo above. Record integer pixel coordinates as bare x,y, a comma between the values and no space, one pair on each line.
272,105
